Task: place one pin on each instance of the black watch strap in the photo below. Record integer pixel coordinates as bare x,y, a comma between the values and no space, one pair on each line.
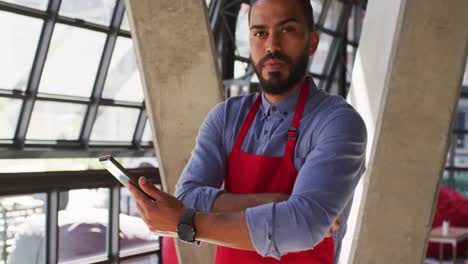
185,228
187,218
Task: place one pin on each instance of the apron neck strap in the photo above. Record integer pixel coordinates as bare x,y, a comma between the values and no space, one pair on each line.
247,123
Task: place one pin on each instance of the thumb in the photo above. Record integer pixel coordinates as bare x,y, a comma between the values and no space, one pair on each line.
150,189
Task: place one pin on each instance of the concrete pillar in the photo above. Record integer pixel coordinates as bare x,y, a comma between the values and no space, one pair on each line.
406,83
176,57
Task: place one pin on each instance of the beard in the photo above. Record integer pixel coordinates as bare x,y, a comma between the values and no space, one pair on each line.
278,84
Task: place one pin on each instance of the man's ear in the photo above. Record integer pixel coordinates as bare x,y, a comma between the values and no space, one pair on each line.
314,41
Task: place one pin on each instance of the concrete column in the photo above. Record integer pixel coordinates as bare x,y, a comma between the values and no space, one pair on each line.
406,83
175,54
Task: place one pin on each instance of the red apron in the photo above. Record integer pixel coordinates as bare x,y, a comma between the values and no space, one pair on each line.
249,173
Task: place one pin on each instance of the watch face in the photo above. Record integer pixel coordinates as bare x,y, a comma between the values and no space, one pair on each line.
186,233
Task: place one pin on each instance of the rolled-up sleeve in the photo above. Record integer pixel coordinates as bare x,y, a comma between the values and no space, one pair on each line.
202,177
324,186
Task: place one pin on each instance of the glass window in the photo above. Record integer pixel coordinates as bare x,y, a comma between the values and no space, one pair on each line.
22,229
240,68
83,221
461,182
349,62
320,56
125,25
40,165
460,124
317,6
147,135
242,32
333,15
123,79
9,113
465,76
56,121
135,235
72,61
20,35
99,12
37,4
115,124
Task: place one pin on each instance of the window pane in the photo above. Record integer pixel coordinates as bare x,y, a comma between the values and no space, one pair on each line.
461,149
461,182
465,76
9,113
20,35
115,124
56,121
38,4
83,222
72,61
40,165
123,79
333,15
125,25
135,235
320,56
317,6
147,135
349,62
22,229
99,12
240,68
242,32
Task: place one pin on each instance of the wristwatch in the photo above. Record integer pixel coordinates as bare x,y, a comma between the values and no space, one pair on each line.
186,229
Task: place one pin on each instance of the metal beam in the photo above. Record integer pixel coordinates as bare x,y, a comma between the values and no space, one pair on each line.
36,72
92,110
52,227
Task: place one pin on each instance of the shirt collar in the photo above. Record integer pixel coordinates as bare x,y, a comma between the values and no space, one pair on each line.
287,106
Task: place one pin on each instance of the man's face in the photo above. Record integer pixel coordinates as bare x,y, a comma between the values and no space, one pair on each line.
279,43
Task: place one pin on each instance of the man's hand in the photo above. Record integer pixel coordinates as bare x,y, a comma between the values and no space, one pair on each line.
161,216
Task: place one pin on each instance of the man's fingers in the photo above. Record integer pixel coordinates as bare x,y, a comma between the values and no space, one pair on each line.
141,210
150,189
139,197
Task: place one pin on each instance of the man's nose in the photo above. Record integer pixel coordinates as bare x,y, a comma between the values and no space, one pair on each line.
274,43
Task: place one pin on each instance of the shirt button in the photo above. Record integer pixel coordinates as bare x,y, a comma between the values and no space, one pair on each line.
273,108
285,113
265,132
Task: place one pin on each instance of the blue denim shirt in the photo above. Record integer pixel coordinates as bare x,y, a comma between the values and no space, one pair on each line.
329,158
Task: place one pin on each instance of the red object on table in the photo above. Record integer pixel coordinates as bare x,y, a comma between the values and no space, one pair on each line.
452,206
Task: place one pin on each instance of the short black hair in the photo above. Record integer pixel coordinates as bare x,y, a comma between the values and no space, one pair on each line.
308,12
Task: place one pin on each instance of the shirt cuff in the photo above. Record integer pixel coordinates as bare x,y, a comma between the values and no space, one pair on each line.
260,224
202,198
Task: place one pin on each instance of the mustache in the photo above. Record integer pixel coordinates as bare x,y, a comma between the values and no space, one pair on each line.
274,55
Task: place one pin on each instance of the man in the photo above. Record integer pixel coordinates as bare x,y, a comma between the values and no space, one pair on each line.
290,157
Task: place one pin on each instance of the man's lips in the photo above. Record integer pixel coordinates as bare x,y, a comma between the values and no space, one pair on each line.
273,65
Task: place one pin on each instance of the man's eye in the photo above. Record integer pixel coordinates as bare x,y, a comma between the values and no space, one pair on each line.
289,29
259,34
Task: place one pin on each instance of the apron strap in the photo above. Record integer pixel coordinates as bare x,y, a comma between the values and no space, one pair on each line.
292,131
247,123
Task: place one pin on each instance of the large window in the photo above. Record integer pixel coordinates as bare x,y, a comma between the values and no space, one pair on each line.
456,171
70,80
70,91
73,217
